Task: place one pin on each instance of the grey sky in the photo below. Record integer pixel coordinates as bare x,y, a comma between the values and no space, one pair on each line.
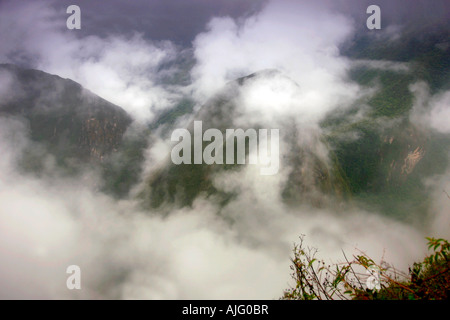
175,20
181,20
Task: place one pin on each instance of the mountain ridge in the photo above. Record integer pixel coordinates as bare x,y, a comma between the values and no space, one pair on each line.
71,120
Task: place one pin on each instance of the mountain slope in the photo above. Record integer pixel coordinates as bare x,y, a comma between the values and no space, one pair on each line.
70,120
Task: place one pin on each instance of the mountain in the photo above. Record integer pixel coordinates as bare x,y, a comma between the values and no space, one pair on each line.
378,158
69,120
369,152
428,49
182,183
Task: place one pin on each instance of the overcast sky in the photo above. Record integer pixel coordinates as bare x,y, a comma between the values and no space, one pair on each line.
181,20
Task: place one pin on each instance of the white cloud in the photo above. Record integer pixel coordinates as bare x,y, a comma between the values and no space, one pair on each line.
124,69
237,251
440,112
296,38
431,111
203,252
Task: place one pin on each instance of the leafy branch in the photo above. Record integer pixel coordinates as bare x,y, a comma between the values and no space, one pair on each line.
356,279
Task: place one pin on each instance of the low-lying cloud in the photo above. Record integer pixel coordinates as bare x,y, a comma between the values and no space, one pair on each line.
124,252
123,69
207,251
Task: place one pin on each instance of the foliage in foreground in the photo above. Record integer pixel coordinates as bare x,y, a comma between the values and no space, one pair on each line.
362,279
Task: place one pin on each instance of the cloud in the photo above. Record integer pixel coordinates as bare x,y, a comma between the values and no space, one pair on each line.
124,69
296,38
382,65
9,90
201,252
439,217
300,76
197,253
440,112
430,111
208,251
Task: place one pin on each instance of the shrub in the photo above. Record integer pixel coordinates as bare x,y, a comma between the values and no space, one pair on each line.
362,279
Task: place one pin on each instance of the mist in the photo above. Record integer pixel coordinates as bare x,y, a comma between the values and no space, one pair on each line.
240,250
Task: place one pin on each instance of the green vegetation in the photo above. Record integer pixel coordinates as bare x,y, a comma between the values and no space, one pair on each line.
168,117
381,155
428,54
362,279
121,170
394,97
